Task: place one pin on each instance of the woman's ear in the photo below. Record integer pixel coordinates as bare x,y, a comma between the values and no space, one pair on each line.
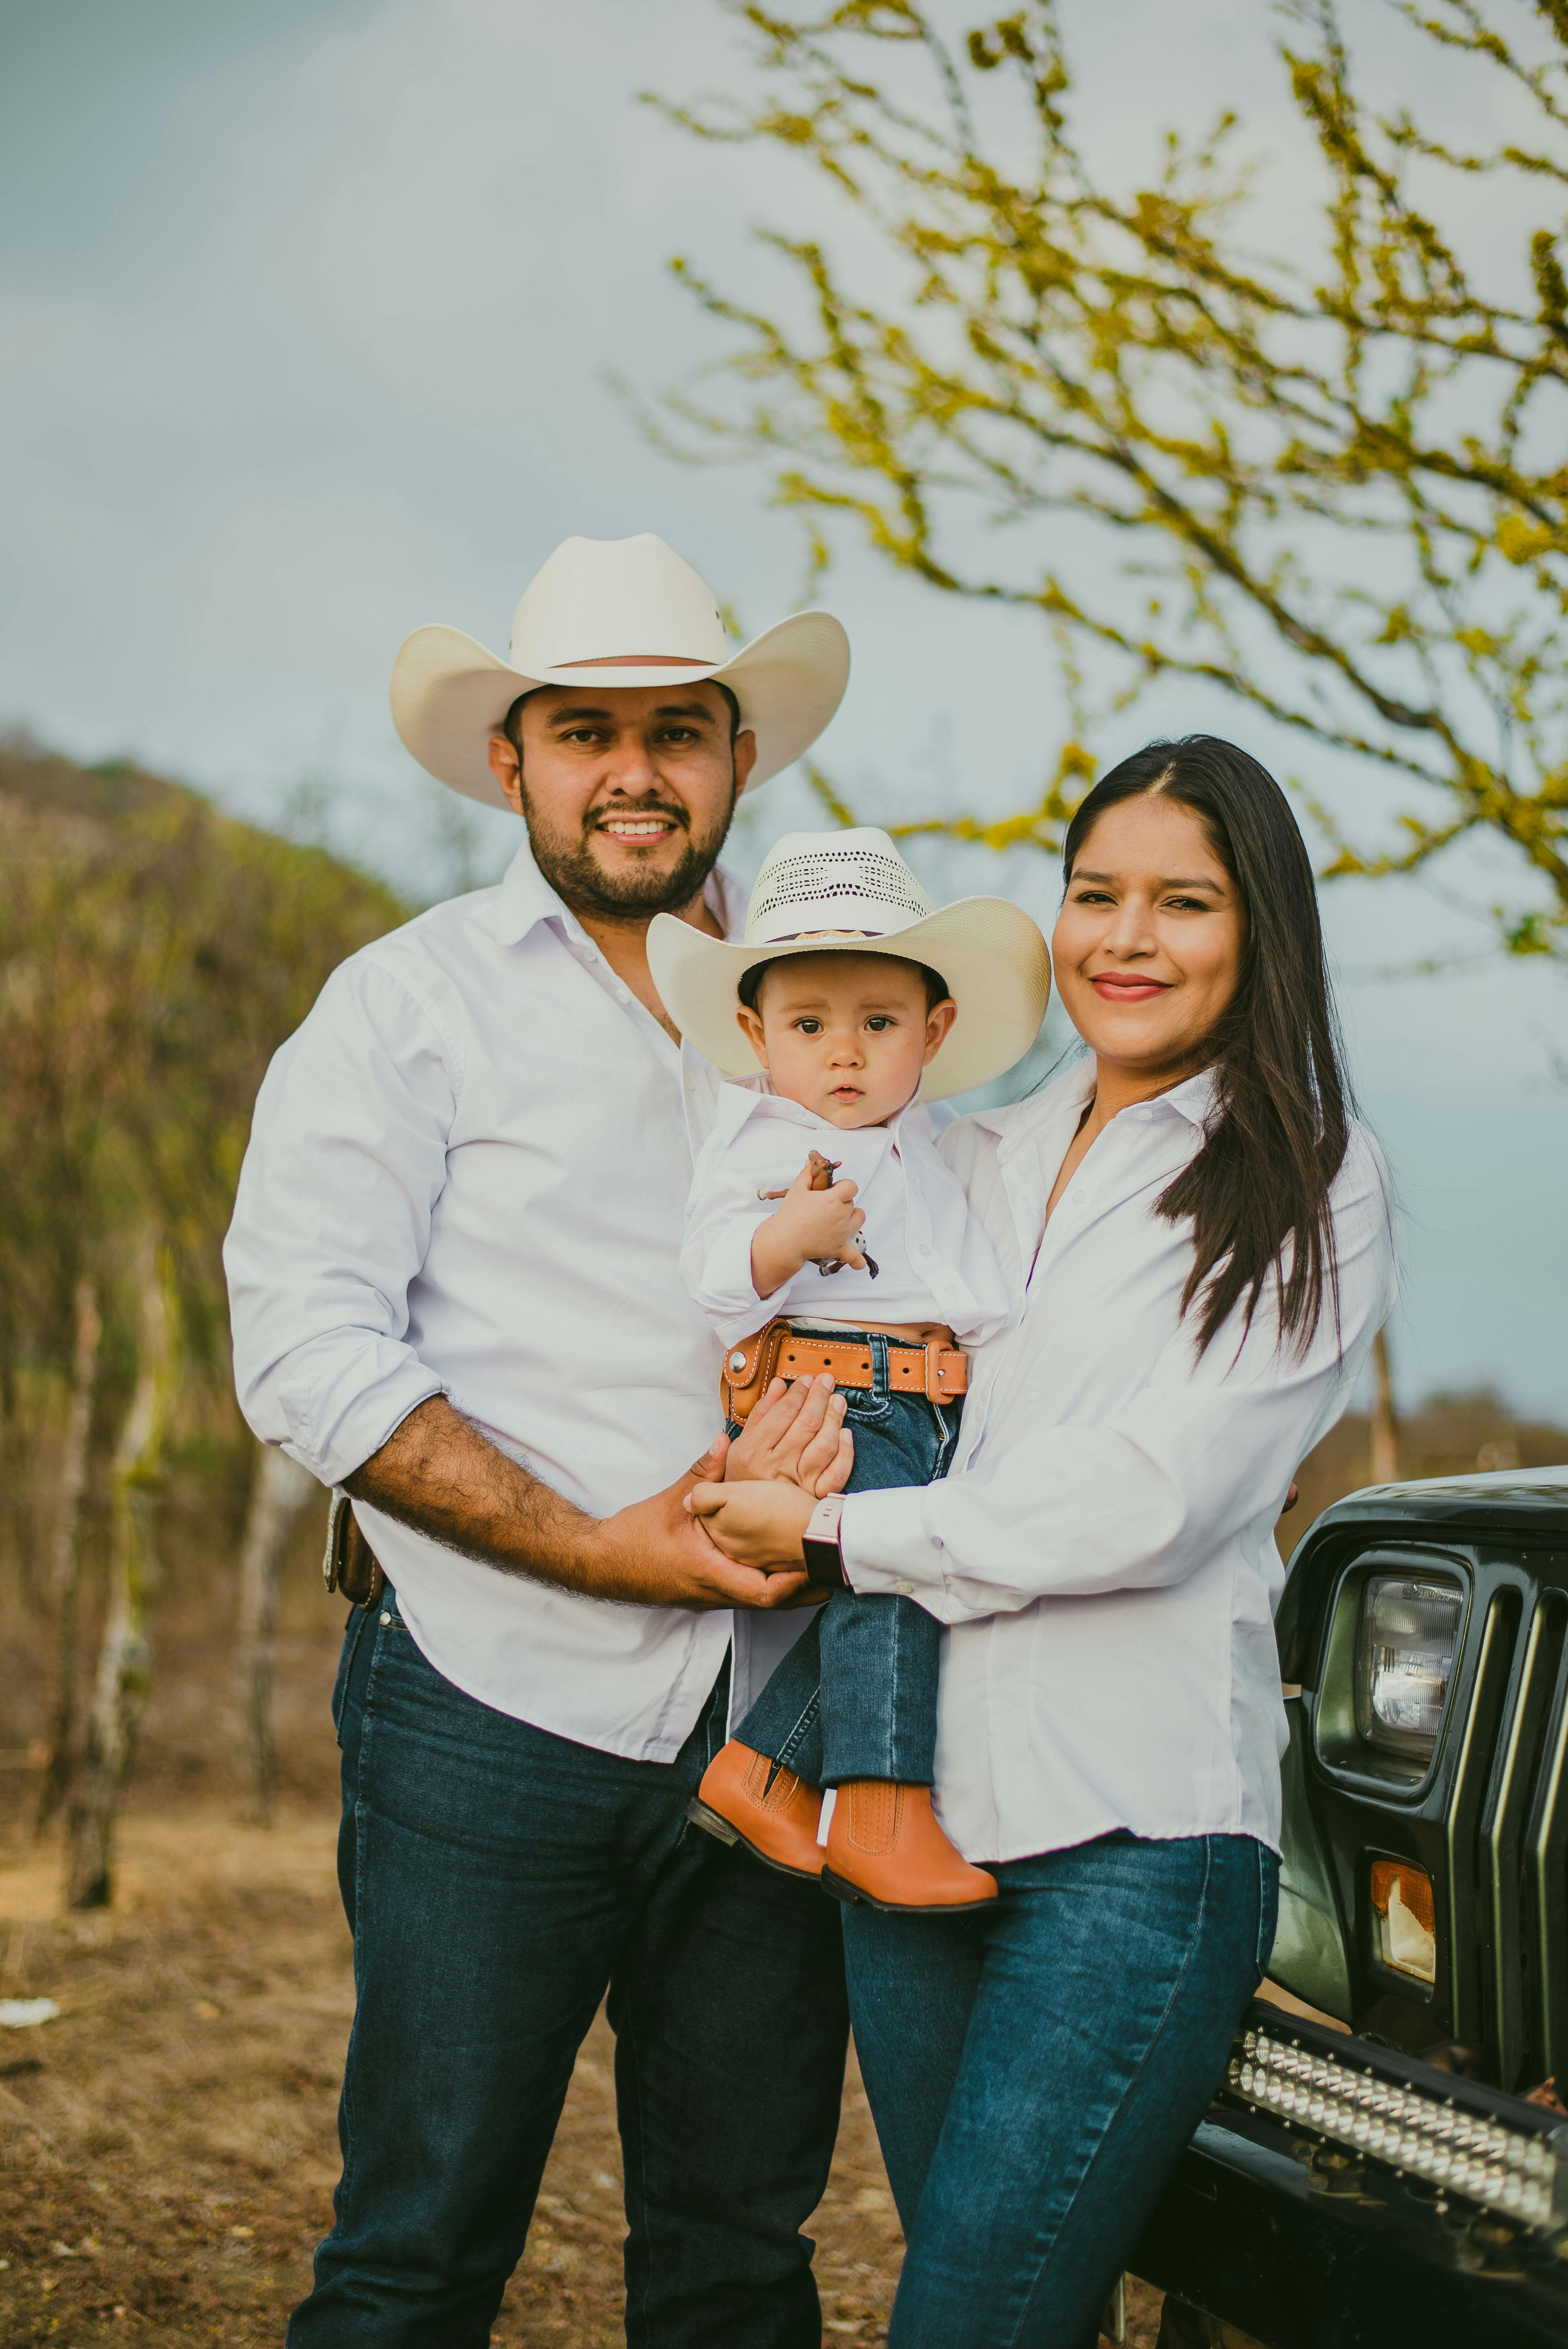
750,1027
938,1028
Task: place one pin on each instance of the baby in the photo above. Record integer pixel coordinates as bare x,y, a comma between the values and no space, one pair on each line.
825,1233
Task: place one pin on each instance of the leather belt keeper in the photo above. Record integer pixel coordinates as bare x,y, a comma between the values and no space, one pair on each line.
350,1565
940,1373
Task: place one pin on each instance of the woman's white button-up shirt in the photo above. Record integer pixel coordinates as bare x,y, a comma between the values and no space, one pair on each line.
468,1176
1103,1551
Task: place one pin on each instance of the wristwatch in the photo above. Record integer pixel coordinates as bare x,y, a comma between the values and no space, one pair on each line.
820,1542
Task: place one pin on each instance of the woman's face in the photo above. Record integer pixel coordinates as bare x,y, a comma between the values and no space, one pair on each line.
1148,945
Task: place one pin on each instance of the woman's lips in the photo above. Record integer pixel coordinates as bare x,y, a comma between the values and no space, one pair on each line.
1129,990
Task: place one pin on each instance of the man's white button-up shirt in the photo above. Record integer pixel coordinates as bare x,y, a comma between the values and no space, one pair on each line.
468,1177
1104,1547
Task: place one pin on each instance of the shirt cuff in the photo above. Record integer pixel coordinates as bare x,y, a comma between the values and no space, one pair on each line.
728,1293
887,1550
337,1425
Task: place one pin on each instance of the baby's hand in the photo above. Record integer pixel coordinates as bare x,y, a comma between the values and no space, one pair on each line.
810,1228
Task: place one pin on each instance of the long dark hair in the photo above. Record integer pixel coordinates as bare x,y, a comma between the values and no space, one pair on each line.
1257,1191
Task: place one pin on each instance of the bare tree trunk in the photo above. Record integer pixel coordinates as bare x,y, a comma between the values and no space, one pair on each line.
282,1491
1385,1469
66,1562
125,1660
16,1483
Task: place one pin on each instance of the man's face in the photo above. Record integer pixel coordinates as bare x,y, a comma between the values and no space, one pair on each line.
627,791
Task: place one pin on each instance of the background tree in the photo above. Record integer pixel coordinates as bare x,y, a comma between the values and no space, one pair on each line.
1335,494
153,955
280,1492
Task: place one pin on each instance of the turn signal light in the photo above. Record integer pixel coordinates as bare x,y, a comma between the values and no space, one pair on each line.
1404,1918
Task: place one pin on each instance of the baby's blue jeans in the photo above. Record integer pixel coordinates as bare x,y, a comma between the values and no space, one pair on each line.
856,1695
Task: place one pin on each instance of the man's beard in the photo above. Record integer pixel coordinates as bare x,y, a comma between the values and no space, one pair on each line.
579,881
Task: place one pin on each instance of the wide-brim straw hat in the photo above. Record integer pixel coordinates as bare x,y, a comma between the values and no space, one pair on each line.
614,612
851,893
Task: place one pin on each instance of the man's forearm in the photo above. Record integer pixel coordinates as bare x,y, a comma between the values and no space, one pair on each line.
440,1476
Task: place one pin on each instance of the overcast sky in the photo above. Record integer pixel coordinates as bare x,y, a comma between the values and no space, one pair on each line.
305,307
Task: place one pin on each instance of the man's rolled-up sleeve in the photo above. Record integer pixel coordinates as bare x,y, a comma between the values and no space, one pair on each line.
347,1160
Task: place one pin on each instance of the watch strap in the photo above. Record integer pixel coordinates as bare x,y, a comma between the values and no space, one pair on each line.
819,1543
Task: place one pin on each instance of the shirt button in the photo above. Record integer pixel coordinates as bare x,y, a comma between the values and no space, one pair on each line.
1079,1198
904,1590
622,996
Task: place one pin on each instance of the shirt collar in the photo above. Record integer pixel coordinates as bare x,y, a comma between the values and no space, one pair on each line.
525,898
738,1097
1192,1099
742,1097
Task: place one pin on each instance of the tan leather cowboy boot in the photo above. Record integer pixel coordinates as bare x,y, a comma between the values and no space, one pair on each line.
777,1822
884,1845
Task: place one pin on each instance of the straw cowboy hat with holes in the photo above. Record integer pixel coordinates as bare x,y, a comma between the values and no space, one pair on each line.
851,893
614,612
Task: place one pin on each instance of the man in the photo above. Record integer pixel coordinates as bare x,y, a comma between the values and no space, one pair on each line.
455,1293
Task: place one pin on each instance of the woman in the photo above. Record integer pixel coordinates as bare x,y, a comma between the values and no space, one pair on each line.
1200,1239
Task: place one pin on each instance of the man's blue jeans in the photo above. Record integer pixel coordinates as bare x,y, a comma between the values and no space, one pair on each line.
499,1880
1035,2068
856,1695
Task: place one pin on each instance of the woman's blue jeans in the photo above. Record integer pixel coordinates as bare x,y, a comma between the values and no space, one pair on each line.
856,1695
1035,2069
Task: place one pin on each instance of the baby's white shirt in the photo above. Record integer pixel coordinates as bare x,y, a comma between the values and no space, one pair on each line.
935,1262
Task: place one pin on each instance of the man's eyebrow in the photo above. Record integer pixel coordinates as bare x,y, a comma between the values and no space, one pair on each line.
576,713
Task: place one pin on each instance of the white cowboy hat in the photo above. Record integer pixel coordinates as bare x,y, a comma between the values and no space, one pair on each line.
614,612
851,893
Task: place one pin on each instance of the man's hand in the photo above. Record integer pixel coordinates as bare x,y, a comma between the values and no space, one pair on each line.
797,1433
810,1226
441,1476
760,1527
656,1554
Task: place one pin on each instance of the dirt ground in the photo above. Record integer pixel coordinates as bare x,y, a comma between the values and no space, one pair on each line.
168,2145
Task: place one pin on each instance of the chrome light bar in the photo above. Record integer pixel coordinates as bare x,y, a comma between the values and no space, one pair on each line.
1518,2172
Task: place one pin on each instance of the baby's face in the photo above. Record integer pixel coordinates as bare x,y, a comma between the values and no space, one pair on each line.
846,1035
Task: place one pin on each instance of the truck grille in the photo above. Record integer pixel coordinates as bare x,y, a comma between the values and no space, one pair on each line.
1508,1843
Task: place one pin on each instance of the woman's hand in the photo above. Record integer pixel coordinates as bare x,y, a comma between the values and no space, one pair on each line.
797,1433
757,1525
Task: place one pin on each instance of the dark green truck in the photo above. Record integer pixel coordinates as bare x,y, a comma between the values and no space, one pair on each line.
1391,2167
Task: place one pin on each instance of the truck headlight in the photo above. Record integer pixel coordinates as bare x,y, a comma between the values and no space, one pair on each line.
1404,1655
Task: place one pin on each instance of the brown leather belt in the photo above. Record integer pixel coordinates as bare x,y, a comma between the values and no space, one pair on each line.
941,1373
